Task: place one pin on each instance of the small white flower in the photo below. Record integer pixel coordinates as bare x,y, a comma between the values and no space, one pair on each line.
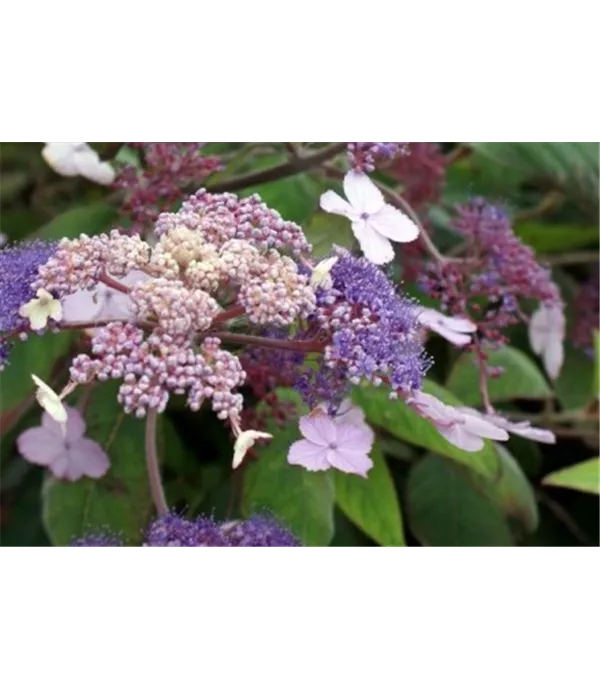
374,222
244,443
458,331
3,239
40,309
547,335
51,402
320,276
73,159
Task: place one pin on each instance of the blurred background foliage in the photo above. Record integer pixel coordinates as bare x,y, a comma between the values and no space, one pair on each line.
422,490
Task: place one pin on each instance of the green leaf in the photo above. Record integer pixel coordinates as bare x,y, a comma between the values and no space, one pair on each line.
12,184
512,491
21,518
572,167
19,223
372,504
575,386
444,510
521,379
402,422
295,198
302,500
549,238
90,219
584,477
35,356
596,378
325,230
120,502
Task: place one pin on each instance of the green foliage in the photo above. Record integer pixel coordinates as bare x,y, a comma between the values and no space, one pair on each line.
372,504
596,378
551,238
572,167
583,477
89,219
37,356
120,502
303,501
325,230
521,379
512,492
401,421
575,386
445,510
296,198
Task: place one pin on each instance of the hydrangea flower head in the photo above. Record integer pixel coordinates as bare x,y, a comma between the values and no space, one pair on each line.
174,531
258,531
372,331
19,265
375,223
329,444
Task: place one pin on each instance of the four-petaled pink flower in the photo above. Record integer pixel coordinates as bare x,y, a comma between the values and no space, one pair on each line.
374,222
458,331
523,428
459,426
329,444
68,456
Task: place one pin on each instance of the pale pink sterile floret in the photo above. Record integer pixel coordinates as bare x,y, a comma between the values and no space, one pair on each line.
328,444
68,456
458,331
547,336
463,429
522,428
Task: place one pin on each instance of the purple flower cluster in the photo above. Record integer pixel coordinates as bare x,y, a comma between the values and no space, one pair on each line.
169,168
222,217
18,271
587,318
372,331
497,271
4,352
259,531
98,540
365,156
174,531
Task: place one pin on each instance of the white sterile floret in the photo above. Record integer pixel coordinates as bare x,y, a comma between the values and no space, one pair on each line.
78,159
40,309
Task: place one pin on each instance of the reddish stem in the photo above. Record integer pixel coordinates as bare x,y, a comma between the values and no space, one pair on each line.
230,314
307,346
113,284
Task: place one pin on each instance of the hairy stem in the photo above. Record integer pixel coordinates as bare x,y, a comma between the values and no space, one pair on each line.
286,169
483,382
156,486
229,314
114,284
308,346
